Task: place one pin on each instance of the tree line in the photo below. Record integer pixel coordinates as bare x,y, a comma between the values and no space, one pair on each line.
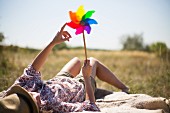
136,42
129,42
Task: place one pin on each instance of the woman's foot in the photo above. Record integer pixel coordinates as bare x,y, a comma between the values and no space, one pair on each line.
126,90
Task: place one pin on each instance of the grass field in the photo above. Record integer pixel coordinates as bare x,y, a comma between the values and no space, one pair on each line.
143,72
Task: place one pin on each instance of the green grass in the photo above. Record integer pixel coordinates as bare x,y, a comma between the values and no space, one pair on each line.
143,72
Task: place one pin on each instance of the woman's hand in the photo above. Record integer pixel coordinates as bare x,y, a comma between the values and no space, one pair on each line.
61,36
86,69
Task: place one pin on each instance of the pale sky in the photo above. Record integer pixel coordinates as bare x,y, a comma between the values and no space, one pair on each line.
33,23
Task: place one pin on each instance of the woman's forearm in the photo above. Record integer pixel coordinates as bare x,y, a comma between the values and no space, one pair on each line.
40,59
60,37
89,90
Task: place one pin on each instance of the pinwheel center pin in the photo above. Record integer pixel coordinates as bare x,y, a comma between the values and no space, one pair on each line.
82,23
80,20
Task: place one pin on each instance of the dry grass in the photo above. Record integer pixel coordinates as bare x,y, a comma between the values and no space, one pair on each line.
143,72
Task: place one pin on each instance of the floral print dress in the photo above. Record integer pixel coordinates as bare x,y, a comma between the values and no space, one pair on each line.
58,95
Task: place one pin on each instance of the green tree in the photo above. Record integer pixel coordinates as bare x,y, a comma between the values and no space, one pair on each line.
2,37
134,42
159,48
61,46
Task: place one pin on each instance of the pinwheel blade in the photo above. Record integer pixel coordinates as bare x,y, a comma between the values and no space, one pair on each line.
73,25
73,17
79,30
80,12
88,14
88,29
90,21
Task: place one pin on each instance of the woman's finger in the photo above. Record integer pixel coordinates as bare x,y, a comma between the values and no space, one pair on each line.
86,62
62,28
66,33
67,38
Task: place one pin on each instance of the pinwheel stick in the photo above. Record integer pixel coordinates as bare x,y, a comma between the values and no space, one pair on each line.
84,45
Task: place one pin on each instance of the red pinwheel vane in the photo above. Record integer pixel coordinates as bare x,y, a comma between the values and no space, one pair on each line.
80,20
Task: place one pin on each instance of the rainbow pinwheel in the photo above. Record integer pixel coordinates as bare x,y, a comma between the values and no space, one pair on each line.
81,21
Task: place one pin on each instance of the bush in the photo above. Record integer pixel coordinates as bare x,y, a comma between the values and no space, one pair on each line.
61,46
134,42
2,37
159,48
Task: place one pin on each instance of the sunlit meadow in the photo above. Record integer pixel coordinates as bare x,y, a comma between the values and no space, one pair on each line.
143,72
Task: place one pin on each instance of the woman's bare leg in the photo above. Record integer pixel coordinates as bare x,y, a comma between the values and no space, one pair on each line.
104,74
73,67
98,69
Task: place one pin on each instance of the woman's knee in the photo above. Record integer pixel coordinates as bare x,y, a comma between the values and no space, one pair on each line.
93,60
76,60
73,66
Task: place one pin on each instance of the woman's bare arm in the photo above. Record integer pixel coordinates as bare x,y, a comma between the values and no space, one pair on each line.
40,59
86,73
